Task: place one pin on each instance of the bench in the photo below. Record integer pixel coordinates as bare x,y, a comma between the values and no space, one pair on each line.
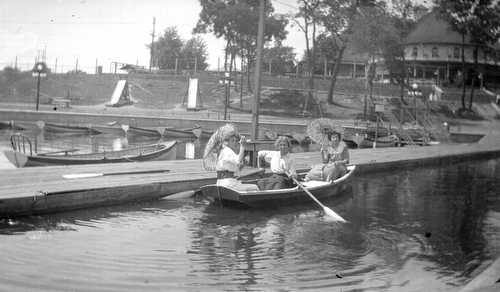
60,101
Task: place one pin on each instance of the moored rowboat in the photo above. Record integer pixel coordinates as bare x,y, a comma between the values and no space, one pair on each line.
319,189
21,158
68,128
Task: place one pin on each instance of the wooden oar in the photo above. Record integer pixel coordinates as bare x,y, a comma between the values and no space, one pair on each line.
84,175
248,174
328,211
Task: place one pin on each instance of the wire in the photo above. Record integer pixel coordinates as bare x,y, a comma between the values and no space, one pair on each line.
285,4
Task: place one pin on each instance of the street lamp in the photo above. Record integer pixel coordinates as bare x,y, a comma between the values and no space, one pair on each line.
227,82
40,70
415,92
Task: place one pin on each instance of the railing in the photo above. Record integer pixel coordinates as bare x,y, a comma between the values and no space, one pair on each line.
20,142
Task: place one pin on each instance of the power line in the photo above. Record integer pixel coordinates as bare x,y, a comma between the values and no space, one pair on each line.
286,4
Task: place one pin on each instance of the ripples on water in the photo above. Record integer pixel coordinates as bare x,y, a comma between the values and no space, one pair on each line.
420,230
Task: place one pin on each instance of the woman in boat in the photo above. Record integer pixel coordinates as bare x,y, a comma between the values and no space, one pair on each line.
231,162
282,165
335,159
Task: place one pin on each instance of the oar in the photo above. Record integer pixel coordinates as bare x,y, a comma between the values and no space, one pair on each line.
84,175
328,211
248,174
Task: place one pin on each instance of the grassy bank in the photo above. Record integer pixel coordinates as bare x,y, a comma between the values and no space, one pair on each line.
280,96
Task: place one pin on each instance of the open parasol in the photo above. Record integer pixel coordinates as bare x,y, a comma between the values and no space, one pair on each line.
214,145
319,129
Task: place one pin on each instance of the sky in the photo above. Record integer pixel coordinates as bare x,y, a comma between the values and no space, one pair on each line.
90,33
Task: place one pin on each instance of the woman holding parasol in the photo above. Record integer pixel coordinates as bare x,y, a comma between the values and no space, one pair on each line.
225,154
334,152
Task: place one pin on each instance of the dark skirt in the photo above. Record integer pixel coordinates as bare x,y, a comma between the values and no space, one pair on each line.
275,182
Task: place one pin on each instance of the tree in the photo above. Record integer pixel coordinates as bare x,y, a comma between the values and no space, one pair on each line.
280,57
195,50
369,31
237,22
479,20
338,17
307,19
169,48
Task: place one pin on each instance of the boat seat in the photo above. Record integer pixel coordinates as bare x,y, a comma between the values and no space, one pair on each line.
314,183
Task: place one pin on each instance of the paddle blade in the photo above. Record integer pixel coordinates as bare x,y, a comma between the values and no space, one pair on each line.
333,215
82,175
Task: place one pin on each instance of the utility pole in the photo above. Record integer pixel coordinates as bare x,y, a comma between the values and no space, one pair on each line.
152,44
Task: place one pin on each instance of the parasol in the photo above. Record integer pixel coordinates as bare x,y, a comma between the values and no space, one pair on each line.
214,145
319,129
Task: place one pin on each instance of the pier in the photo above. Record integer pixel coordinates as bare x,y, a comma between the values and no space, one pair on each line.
28,191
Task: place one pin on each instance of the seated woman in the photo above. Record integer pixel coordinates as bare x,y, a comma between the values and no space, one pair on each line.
335,158
282,165
229,163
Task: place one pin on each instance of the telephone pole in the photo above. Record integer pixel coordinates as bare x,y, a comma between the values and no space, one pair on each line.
152,44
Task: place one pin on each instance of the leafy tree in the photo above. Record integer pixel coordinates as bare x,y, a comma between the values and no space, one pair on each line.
9,75
237,22
393,42
281,58
308,20
338,17
168,48
372,25
195,50
479,20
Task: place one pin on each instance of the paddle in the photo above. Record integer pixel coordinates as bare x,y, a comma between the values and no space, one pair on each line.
84,175
328,211
248,174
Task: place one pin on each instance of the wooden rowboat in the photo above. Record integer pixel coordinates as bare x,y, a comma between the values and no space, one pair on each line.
22,125
382,142
147,132
22,156
319,189
111,128
68,128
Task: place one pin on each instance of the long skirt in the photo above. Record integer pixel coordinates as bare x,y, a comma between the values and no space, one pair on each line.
275,182
326,172
236,184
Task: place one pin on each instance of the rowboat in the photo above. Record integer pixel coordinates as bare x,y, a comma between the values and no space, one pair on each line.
181,133
22,125
149,132
69,128
22,154
382,142
319,189
111,128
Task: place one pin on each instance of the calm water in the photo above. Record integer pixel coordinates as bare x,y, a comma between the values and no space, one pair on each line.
420,230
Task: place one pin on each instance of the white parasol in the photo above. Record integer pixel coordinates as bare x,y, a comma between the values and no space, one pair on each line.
214,145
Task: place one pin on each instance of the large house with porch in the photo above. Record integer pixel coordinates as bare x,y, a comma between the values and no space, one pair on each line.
433,51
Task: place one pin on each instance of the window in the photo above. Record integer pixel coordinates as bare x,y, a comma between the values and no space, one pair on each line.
435,52
456,53
415,51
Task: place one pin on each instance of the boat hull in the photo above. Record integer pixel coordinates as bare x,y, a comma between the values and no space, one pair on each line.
154,152
278,197
75,129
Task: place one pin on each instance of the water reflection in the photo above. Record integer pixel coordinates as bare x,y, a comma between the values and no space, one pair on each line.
419,230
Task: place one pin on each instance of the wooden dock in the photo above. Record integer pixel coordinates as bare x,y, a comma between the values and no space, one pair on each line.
28,191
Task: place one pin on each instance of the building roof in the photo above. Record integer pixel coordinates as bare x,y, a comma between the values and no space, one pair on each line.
431,29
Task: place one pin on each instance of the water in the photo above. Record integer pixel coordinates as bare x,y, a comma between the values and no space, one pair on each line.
422,230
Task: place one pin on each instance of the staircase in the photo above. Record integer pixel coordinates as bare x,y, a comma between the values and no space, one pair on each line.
418,112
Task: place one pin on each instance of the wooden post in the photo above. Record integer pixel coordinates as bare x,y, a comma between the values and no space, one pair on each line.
258,71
